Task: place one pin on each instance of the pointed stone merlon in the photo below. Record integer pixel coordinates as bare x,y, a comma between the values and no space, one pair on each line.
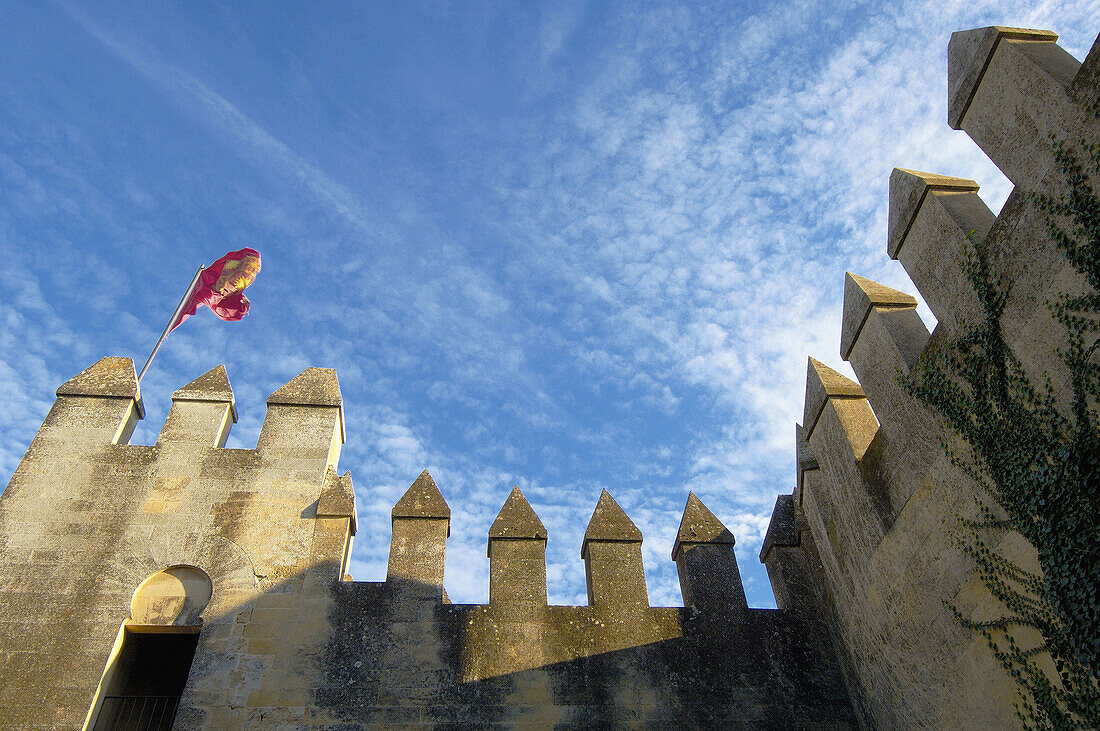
202,412
305,421
338,499
893,335
101,404
517,555
882,335
783,553
612,553
705,561
831,395
421,523
861,297
335,525
1010,89
930,221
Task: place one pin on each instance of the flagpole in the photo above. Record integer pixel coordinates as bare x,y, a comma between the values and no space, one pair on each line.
175,316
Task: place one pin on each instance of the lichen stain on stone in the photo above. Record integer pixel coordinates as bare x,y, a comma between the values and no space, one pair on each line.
229,515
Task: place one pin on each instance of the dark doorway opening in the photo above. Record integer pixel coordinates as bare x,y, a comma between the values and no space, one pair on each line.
147,680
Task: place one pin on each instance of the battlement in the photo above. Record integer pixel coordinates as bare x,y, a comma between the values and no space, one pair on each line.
301,437
105,399
863,541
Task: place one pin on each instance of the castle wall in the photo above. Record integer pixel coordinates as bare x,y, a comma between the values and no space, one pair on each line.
260,539
864,542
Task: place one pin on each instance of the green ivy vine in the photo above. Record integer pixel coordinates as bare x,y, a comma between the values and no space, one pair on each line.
1035,451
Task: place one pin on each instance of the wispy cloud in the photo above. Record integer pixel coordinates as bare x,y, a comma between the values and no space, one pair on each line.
215,110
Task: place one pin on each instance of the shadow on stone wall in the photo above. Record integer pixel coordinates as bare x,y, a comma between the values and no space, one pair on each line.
393,653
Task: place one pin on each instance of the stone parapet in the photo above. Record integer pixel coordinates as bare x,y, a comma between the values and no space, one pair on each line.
862,547
284,636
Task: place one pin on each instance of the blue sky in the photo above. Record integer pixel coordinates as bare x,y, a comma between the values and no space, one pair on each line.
564,245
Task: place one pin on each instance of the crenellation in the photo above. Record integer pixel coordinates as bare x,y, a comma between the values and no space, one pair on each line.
862,297
108,377
304,424
1085,88
87,422
1010,92
785,528
336,525
337,498
841,436
889,341
421,523
878,590
909,190
196,425
805,461
124,512
859,554
797,574
101,404
786,554
932,217
612,554
517,555
705,561
202,412
831,395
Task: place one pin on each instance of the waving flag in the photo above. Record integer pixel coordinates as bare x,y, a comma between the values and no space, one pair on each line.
221,286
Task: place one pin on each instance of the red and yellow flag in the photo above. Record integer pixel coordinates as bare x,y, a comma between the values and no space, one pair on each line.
221,286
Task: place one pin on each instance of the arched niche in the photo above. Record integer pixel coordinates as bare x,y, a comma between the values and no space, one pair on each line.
173,597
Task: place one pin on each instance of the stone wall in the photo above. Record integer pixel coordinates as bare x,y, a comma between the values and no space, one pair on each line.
863,542
248,549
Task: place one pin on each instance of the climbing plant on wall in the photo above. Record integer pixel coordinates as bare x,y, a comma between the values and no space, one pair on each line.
1035,450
